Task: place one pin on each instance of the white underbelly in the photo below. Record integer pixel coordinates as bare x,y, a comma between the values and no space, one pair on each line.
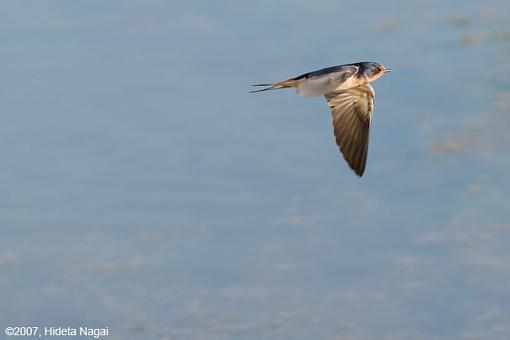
323,85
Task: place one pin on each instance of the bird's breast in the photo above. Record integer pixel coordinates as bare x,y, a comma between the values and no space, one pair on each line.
350,82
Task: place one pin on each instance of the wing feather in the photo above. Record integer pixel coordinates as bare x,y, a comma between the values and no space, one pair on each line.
352,115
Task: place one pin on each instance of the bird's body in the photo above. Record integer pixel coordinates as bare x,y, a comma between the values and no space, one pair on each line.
351,99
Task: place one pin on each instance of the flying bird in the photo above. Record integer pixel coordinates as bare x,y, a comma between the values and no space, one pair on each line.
351,99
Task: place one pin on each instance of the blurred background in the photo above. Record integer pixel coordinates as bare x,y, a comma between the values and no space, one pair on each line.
144,188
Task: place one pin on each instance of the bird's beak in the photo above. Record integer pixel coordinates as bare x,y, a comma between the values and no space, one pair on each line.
386,70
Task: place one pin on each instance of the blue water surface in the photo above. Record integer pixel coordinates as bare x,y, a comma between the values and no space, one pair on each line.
145,190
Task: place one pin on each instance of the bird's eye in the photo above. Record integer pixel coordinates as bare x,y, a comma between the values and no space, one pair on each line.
375,69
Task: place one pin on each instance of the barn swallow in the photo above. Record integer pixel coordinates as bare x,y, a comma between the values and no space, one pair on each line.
351,99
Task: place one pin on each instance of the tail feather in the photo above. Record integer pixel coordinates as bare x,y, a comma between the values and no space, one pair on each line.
271,87
279,85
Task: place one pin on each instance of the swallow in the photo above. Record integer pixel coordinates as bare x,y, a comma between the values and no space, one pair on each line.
351,99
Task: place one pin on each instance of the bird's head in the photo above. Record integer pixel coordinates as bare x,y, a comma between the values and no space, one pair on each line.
371,71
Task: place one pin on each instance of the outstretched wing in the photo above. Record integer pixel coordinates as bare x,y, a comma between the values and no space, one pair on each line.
352,114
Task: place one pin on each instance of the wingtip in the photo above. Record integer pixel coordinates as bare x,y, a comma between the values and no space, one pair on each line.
358,172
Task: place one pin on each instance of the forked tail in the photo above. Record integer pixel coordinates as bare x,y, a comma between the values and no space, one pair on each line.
280,85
